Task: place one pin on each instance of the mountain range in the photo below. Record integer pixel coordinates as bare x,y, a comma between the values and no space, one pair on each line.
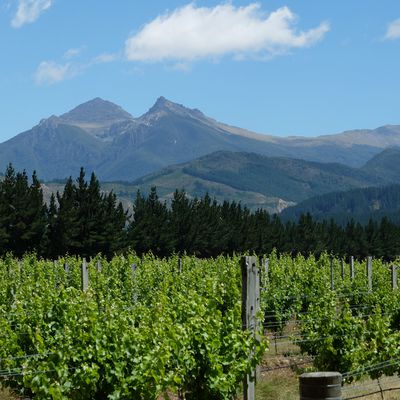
172,146
102,137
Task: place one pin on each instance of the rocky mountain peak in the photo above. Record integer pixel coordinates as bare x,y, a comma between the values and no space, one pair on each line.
96,111
163,104
163,107
97,117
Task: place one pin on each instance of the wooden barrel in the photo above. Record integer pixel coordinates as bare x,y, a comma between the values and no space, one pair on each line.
321,386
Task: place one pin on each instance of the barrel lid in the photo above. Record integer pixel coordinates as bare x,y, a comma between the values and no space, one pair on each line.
324,374
323,378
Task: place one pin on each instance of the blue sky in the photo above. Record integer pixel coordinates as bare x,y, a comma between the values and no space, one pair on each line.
304,67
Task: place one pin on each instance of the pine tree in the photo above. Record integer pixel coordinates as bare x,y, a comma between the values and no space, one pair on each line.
7,209
205,219
49,246
373,239
22,213
306,234
181,223
389,239
66,229
35,217
112,232
148,230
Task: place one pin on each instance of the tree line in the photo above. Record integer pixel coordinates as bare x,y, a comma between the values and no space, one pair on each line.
83,220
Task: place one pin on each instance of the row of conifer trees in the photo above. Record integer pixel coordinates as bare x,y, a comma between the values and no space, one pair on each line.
85,221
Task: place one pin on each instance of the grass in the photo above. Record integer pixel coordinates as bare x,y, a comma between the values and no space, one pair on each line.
285,386
278,385
5,394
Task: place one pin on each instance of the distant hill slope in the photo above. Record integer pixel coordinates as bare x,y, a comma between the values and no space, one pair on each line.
257,181
103,137
361,204
358,204
273,183
385,164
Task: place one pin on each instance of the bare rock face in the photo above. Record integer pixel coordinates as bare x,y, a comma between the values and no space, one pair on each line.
96,111
97,117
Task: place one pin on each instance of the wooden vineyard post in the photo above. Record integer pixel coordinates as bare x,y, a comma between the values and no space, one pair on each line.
342,266
394,276
11,275
332,274
266,271
98,266
134,296
352,267
250,308
85,275
55,277
66,276
180,265
369,272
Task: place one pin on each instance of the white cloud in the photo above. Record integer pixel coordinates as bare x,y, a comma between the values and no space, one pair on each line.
29,11
191,33
72,53
49,72
105,58
393,30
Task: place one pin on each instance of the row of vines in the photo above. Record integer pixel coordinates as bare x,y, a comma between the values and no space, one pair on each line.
149,328
144,328
352,329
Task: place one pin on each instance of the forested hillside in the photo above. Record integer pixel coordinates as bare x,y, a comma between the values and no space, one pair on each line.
84,221
257,181
357,204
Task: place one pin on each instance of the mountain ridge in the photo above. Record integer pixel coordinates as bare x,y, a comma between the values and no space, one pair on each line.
103,137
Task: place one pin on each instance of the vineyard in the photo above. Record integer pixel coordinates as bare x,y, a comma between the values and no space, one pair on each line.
150,328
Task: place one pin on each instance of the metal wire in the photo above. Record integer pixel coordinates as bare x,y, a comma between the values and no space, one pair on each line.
26,356
314,339
25,373
383,364
390,380
286,366
372,393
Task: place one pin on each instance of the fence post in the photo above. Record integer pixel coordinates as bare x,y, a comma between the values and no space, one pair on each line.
266,270
369,272
352,274
180,265
394,276
321,386
332,274
98,266
55,274
342,266
85,275
250,308
134,267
